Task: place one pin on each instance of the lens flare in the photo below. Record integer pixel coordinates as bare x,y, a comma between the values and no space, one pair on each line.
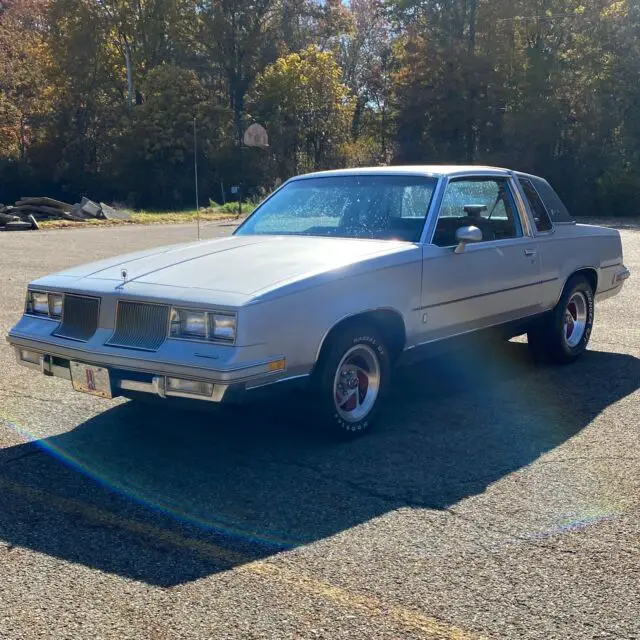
273,540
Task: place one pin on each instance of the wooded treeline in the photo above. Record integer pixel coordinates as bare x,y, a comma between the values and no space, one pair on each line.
98,97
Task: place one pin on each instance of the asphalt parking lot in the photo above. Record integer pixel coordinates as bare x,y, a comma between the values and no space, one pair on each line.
496,499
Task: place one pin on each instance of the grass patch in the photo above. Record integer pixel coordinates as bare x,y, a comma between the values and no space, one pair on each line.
223,212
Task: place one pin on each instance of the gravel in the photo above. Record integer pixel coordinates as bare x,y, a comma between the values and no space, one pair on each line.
496,498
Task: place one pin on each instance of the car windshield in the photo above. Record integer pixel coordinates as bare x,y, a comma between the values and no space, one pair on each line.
388,207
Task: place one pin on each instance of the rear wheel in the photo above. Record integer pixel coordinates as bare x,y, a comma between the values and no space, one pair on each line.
563,335
351,380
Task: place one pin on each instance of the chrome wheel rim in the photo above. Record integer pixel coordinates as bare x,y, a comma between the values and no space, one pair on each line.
356,383
575,319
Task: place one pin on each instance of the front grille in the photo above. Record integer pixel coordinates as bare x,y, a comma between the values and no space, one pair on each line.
140,326
79,318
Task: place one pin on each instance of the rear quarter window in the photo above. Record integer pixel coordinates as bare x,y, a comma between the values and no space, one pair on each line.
539,211
555,207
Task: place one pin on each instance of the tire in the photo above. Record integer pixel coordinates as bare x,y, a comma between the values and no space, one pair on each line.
351,379
563,335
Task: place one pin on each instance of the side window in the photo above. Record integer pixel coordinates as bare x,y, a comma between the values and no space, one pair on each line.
486,203
554,205
540,215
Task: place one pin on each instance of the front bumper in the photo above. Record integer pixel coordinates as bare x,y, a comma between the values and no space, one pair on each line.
236,386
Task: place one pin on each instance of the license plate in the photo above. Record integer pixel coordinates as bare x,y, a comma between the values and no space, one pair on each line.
89,379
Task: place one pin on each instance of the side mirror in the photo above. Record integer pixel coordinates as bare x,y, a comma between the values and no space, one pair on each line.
465,236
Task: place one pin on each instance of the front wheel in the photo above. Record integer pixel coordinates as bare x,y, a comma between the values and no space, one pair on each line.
563,335
351,380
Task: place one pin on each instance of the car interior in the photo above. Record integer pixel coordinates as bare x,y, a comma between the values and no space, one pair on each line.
381,213
492,210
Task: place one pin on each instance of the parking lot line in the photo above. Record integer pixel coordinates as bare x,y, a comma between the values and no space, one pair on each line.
365,605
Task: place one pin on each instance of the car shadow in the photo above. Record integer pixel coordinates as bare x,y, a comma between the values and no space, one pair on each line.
166,496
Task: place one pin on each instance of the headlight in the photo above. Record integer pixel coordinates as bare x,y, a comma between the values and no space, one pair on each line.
45,304
188,324
39,304
55,305
222,327
202,325
193,323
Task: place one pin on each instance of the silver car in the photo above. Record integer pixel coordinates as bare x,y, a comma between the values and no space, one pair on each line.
334,279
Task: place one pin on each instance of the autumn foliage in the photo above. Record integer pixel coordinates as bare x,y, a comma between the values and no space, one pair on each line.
99,97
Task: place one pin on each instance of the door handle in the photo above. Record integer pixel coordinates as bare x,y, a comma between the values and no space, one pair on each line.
531,253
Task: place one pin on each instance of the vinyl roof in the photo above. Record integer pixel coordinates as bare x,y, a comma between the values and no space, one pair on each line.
421,170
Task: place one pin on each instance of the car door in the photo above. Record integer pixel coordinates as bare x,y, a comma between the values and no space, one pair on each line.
490,282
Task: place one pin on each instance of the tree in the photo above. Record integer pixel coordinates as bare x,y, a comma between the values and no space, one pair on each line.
365,55
97,97
235,33
154,160
24,96
306,109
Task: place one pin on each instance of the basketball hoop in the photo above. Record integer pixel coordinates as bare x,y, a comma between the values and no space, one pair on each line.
256,136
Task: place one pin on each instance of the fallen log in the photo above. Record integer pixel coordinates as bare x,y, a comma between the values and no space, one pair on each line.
18,226
7,217
47,202
41,209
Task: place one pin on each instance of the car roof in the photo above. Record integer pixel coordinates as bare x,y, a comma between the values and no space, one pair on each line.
436,170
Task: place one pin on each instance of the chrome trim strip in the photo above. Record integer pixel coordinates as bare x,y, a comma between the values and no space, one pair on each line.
464,333
429,228
269,384
486,245
489,293
525,223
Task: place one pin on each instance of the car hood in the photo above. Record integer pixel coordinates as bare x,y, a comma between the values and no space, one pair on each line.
247,265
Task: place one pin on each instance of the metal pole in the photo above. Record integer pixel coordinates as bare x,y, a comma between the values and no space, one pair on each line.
195,156
240,183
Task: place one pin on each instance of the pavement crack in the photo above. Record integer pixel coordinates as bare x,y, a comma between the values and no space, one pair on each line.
362,489
493,530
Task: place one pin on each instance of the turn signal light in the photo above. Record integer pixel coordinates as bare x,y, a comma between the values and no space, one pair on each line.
277,365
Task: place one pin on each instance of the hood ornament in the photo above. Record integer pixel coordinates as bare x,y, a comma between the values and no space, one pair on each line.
123,273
